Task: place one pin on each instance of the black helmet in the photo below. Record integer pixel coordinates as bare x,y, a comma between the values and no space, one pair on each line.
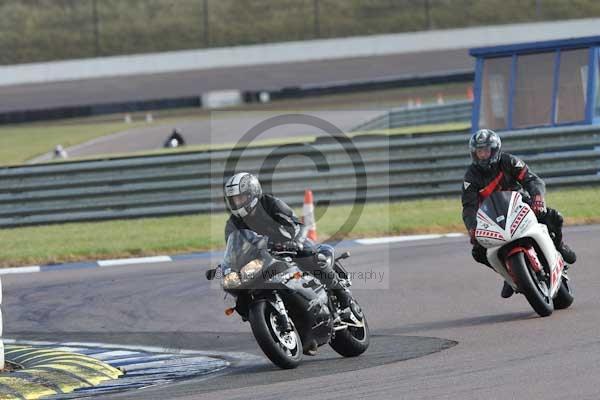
489,140
242,192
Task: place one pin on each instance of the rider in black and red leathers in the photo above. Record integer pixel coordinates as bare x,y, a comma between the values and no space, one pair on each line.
492,170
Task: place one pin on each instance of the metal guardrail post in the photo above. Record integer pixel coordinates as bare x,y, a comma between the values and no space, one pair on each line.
428,114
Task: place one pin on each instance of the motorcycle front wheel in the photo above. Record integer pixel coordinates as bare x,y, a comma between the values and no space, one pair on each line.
283,347
535,290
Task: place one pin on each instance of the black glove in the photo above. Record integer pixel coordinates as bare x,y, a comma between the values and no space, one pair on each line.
290,245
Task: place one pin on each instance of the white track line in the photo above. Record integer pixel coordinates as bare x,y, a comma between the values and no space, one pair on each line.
126,261
165,259
20,270
410,238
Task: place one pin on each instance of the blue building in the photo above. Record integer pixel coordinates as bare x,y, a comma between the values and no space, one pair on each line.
539,84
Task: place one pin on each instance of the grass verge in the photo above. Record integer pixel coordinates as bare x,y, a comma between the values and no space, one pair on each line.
90,241
19,143
409,130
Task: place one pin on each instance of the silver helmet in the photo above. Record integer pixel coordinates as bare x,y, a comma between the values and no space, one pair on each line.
242,193
487,143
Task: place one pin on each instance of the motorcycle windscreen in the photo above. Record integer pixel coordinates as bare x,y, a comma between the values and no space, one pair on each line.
496,207
243,246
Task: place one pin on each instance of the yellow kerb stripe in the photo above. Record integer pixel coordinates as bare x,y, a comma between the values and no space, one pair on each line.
28,390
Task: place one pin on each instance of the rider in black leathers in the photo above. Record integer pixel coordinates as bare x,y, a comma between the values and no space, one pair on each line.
493,170
269,216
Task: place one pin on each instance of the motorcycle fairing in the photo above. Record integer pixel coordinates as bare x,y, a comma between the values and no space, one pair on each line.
307,293
519,222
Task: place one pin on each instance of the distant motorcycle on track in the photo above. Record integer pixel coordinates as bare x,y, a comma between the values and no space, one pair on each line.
521,250
290,311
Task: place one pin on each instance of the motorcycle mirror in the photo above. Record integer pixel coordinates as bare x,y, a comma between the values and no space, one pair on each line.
343,256
210,274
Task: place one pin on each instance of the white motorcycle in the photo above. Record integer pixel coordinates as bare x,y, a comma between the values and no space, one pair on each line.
521,250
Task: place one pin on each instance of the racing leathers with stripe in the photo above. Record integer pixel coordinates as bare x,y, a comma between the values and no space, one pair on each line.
509,173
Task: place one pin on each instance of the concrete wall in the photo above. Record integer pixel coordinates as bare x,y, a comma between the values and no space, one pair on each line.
290,52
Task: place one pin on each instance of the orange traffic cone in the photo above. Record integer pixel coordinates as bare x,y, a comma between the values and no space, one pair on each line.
308,215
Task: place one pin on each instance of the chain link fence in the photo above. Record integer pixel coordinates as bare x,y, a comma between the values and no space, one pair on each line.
42,30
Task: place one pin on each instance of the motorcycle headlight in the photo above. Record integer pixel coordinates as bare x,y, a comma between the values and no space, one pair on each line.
250,270
231,280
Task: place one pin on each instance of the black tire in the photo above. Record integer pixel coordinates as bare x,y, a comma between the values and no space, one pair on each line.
564,298
352,341
268,340
536,292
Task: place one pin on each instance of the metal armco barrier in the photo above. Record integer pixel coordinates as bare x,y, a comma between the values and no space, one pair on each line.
369,168
2,361
458,111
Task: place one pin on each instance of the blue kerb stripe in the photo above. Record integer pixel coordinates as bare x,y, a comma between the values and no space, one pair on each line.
89,352
62,267
139,360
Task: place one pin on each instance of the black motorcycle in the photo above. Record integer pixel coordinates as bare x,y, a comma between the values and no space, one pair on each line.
289,310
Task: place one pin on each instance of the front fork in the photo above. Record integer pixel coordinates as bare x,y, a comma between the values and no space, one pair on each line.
243,303
283,319
533,261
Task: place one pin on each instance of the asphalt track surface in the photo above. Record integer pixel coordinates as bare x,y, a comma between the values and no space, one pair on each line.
194,83
228,127
221,127
440,329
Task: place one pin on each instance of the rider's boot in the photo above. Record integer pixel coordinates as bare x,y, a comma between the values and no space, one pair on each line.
331,281
344,297
345,300
554,220
311,349
567,253
479,254
507,291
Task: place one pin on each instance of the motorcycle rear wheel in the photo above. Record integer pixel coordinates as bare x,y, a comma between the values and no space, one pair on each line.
284,349
352,341
537,292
